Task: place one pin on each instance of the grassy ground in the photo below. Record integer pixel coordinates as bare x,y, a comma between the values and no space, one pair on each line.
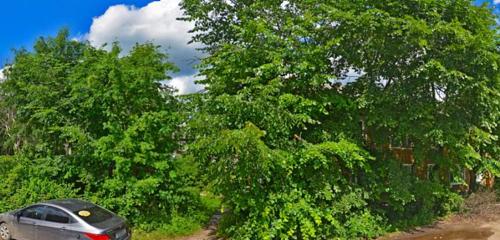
182,227
138,235
156,235
204,234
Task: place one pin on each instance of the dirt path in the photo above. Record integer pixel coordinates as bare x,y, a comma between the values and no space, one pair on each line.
201,235
206,234
455,229
486,231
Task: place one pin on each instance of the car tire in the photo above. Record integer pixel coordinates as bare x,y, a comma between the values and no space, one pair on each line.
4,232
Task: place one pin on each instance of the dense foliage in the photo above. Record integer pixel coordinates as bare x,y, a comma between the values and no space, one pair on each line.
287,126
295,146
93,124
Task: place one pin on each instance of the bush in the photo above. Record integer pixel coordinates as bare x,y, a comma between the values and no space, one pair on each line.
407,201
24,183
98,125
272,194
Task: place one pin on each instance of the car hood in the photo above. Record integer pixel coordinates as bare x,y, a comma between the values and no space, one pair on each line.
7,216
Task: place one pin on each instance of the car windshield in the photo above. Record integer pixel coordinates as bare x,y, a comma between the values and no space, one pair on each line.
93,214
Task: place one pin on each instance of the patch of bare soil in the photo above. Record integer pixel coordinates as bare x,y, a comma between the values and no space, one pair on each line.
479,220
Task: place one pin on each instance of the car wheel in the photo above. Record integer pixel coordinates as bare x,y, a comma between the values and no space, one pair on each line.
4,232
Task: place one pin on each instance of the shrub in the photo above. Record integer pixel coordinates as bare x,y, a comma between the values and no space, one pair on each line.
98,125
24,183
407,201
272,194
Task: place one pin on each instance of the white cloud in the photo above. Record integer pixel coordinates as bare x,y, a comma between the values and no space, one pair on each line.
496,1
2,76
185,84
157,23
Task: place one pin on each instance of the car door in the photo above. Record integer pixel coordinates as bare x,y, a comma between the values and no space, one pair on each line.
26,227
57,225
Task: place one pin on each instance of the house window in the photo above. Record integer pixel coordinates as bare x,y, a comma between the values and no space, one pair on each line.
458,178
408,168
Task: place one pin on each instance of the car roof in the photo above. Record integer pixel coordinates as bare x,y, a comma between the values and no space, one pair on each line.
70,204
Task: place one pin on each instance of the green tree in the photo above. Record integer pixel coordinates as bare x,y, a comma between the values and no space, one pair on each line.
276,102
431,77
100,124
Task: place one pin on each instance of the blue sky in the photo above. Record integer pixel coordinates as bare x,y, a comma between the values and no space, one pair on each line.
101,21
25,20
22,21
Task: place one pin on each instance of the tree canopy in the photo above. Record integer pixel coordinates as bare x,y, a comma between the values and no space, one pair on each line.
305,102
427,79
92,123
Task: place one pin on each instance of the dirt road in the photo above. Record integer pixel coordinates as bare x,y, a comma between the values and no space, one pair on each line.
485,231
456,229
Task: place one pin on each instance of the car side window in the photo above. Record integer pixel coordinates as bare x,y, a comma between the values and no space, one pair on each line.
57,216
35,212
